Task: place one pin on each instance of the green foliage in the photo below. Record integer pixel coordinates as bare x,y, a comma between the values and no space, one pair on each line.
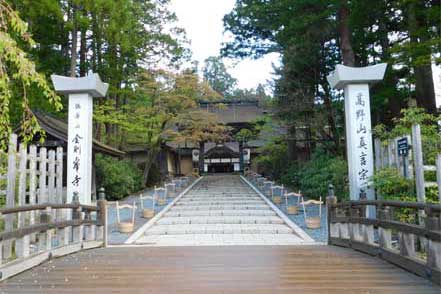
118,177
258,94
273,158
244,135
216,74
3,171
303,32
159,98
432,195
115,37
154,176
308,35
313,177
430,134
391,185
17,75
198,126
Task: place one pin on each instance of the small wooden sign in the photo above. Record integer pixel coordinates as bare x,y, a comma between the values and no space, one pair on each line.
403,147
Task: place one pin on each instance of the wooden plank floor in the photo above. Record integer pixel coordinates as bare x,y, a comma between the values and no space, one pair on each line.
234,269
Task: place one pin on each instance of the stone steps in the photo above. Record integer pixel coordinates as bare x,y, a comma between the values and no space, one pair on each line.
221,220
221,207
220,239
220,210
221,191
219,201
213,195
219,229
205,196
247,212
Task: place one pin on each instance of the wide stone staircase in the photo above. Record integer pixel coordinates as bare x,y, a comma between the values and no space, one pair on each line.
222,210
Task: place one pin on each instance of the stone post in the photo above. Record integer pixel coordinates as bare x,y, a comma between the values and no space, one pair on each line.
331,200
438,175
80,91
102,227
355,83
78,215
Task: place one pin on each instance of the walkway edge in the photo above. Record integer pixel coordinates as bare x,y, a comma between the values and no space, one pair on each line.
297,230
136,235
20,265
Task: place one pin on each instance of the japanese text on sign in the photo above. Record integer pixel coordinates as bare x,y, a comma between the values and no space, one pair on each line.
76,150
363,171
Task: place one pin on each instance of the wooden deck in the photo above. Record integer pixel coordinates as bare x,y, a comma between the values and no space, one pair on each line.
208,270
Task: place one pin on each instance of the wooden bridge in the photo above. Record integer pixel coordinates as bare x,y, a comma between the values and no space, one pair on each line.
237,269
382,255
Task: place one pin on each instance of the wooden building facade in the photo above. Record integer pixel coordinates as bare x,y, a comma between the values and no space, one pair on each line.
219,158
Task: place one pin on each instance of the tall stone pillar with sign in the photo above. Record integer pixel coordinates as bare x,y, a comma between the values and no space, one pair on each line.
81,92
355,83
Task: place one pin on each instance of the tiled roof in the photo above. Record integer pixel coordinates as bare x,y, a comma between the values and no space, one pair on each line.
234,113
233,146
58,129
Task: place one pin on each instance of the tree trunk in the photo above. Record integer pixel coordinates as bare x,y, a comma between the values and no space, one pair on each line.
108,131
83,52
151,155
292,144
65,47
424,87
344,31
98,131
73,49
97,27
331,120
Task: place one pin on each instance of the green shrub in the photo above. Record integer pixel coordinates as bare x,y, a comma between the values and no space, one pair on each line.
391,185
154,176
3,171
431,136
432,195
273,159
118,177
314,176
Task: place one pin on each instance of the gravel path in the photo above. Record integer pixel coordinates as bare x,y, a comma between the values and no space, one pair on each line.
319,235
115,237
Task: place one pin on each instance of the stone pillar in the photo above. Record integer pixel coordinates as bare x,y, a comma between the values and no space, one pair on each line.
355,83
241,159
331,214
201,163
80,91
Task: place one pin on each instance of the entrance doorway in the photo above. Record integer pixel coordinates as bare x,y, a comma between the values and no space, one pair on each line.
221,159
221,168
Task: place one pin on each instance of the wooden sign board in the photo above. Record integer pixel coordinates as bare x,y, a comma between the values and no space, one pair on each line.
403,147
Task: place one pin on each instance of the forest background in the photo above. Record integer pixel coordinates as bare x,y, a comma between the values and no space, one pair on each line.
136,47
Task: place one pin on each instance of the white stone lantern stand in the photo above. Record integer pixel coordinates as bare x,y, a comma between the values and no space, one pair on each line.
81,92
355,83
